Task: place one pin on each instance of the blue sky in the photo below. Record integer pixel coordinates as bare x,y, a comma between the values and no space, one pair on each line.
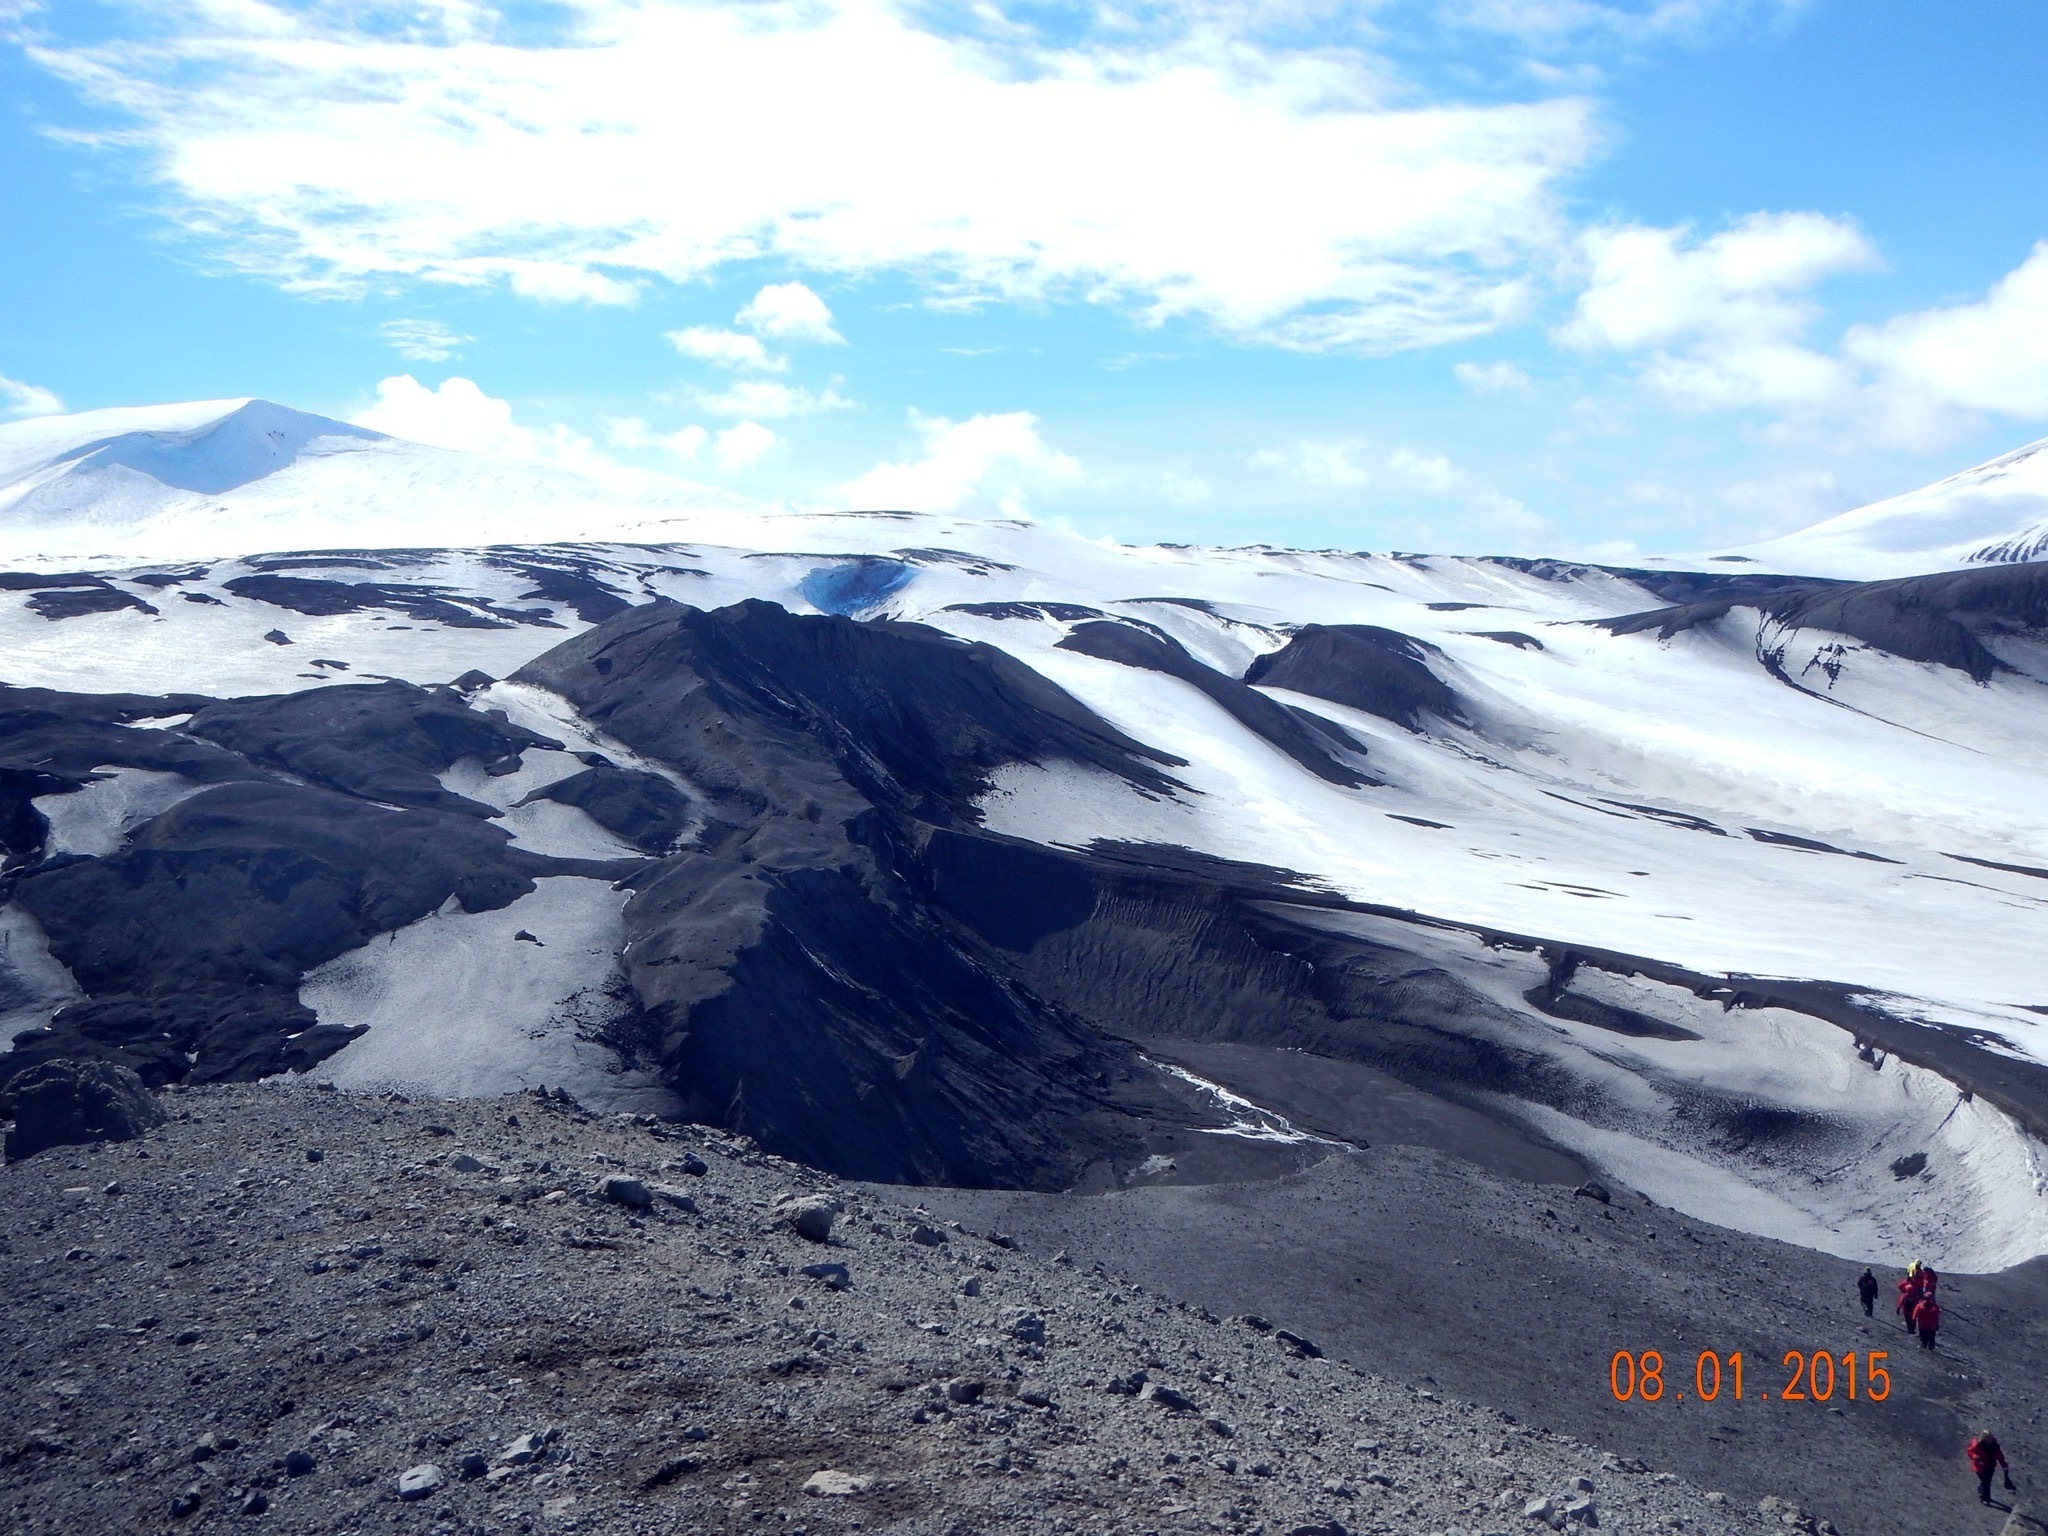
1490,275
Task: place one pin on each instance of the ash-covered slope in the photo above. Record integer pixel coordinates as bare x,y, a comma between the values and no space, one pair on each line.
929,849
226,1335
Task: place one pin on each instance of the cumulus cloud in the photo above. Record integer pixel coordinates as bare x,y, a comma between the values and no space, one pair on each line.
1721,323
762,397
1294,196
685,443
1486,508
1988,356
1723,318
790,312
983,463
458,414
1491,378
423,341
1330,466
18,399
742,443
726,349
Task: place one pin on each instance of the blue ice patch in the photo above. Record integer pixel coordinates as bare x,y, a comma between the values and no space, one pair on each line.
854,586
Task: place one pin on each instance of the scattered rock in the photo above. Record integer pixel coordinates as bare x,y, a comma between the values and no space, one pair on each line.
833,1484
1027,1328
1296,1345
464,1162
63,1103
417,1482
524,1450
298,1463
1593,1189
256,1503
811,1217
1167,1398
669,1195
926,1236
183,1504
1034,1394
691,1164
965,1389
621,1190
1539,1508
836,1276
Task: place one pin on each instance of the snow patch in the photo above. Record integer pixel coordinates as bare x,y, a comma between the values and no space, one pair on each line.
97,819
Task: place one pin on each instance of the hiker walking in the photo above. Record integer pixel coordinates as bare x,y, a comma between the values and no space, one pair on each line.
1927,1317
1986,1456
1909,1297
1866,1288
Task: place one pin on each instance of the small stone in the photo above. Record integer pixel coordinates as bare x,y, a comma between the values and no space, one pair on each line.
1034,1394
811,1217
1167,1398
464,1162
837,1277
417,1482
1027,1328
926,1236
691,1164
113,1187
182,1504
1583,1484
315,1155
965,1389
1220,1427
524,1449
669,1195
1299,1347
472,1467
1582,1510
1593,1189
440,1130
621,1190
969,1287
668,1471
1318,1528
186,1336
831,1483
256,1503
298,1463
1539,1508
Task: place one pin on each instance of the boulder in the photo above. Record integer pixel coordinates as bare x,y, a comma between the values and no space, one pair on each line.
831,1483
629,1192
417,1482
810,1218
70,1103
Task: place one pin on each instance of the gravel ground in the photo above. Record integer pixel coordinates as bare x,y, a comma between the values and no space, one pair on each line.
272,1309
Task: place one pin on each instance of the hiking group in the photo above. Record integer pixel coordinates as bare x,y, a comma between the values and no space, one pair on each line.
1922,1314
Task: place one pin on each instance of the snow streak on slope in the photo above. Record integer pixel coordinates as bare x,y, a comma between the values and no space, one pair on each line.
472,1005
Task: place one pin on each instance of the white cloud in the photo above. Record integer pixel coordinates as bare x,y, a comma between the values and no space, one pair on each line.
741,444
1329,465
1487,510
18,399
1184,489
1294,196
423,341
1492,378
760,397
1724,318
458,414
1987,356
726,349
985,462
790,312
631,432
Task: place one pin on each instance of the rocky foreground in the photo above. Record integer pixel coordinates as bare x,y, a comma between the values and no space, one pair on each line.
304,1311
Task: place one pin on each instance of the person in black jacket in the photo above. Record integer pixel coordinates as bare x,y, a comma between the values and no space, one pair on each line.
1866,1287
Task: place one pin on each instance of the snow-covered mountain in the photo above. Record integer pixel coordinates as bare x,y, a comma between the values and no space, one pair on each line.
230,477
924,847
1994,514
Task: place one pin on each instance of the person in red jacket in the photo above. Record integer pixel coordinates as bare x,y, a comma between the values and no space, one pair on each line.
1987,1455
1909,1298
1927,1318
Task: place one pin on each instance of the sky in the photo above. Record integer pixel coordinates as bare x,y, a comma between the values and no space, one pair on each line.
1579,277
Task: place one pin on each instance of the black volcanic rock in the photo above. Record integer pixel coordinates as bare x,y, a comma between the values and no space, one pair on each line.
192,939
71,1103
382,741
1379,671
1300,736
643,808
802,986
318,596
1945,619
